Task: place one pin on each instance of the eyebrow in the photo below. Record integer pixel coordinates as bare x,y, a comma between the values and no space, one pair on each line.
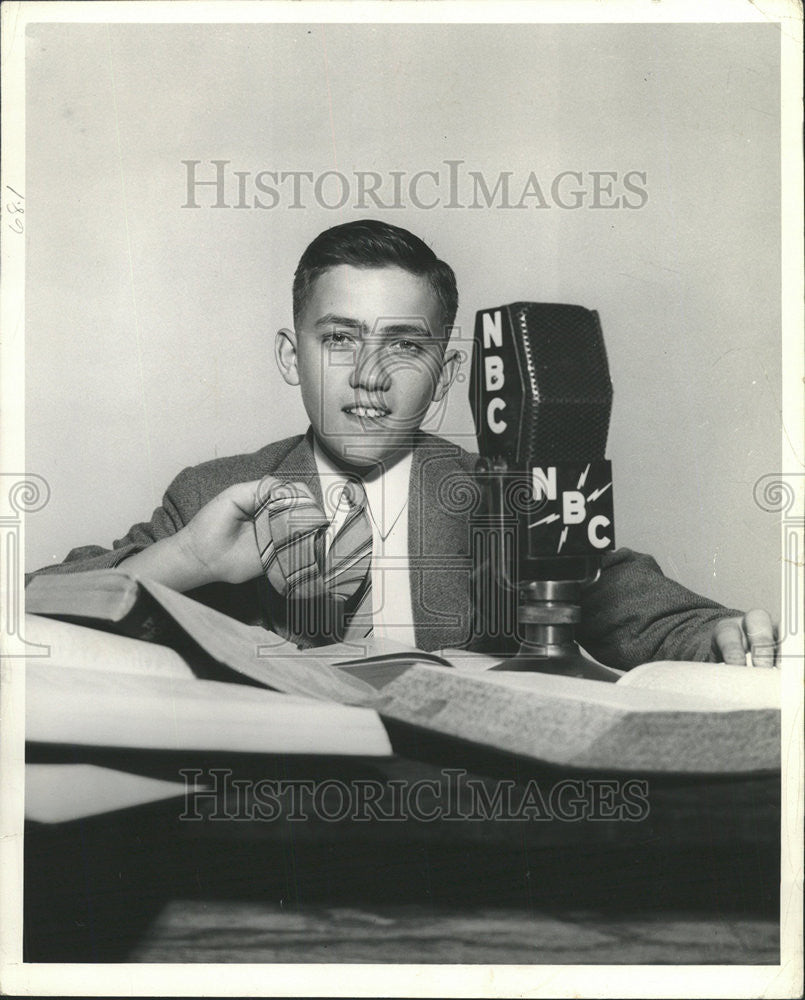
331,319
393,329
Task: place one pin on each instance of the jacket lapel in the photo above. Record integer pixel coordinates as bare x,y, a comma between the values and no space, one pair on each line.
299,465
439,545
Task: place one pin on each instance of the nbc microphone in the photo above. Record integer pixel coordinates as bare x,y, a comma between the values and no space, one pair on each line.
541,399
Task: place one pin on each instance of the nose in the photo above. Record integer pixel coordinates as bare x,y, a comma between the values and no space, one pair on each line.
371,370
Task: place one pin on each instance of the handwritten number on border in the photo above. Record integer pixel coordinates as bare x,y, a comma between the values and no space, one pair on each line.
15,209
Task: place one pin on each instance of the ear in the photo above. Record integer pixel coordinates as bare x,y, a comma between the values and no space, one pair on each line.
450,366
285,355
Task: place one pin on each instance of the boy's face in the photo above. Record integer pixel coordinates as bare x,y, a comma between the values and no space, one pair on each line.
369,356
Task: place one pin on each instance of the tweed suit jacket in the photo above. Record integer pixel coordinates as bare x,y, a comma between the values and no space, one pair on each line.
630,615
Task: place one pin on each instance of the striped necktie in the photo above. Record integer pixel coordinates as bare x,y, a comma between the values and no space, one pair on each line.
348,568
328,593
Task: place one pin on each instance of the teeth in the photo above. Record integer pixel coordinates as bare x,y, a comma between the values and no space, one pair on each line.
367,411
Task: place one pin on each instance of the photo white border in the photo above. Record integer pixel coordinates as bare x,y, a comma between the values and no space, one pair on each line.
407,980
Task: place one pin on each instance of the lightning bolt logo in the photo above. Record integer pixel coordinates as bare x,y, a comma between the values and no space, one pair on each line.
562,539
549,519
583,478
598,493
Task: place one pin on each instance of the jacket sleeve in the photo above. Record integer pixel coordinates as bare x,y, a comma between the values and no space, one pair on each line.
179,504
633,614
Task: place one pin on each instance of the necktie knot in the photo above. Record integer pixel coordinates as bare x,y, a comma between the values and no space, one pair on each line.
355,494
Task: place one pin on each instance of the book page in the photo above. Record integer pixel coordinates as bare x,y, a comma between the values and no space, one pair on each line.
79,647
471,663
258,653
92,708
537,686
59,793
575,722
731,686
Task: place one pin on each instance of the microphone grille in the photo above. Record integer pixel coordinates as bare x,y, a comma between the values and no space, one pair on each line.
567,411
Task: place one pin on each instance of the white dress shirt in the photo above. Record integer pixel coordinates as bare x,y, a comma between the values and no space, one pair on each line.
387,501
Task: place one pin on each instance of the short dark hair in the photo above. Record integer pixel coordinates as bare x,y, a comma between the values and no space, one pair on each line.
370,243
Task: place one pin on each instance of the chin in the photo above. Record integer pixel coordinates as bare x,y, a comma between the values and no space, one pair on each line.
367,458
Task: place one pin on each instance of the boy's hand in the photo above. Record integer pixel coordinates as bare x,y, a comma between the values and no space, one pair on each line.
754,633
220,538
217,545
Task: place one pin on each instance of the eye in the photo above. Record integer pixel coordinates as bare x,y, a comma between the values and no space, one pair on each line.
338,339
406,346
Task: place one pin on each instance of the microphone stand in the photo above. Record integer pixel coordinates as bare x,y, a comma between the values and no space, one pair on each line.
549,609
548,613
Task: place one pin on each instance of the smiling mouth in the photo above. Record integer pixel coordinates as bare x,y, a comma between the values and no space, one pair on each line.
367,411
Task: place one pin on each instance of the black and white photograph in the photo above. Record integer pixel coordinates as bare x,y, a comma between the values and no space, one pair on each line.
402,499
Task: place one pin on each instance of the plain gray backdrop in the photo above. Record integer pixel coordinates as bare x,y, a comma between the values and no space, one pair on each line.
150,326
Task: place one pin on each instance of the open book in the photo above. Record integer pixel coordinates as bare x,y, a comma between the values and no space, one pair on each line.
659,718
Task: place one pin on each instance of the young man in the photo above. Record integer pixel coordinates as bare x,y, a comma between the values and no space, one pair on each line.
361,510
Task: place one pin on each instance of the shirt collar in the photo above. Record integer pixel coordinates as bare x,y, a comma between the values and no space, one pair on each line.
386,490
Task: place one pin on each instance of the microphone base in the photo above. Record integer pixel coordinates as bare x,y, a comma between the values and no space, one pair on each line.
563,663
549,614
